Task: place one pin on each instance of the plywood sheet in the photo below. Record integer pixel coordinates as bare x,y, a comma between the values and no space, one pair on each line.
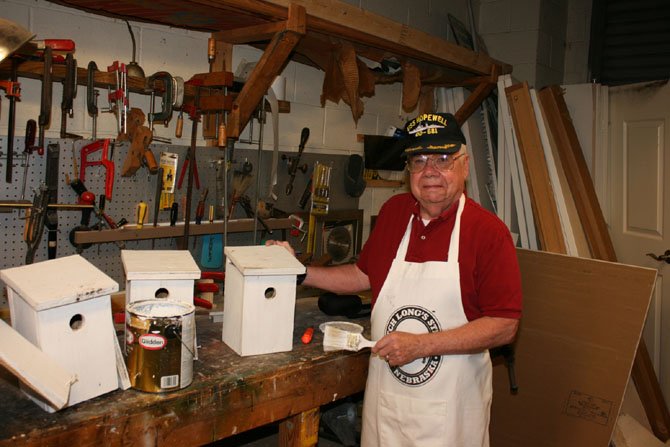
581,327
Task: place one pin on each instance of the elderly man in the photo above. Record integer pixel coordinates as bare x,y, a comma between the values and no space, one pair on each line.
446,287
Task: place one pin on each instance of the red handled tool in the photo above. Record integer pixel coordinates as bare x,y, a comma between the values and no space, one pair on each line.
86,151
307,336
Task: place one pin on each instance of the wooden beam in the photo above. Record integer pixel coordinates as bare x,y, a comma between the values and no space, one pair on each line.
358,25
271,63
475,99
215,103
214,79
254,33
301,430
535,167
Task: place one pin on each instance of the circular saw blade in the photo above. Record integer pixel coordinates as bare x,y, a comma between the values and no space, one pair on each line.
338,243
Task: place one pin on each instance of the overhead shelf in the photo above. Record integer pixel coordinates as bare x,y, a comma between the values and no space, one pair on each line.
131,232
317,33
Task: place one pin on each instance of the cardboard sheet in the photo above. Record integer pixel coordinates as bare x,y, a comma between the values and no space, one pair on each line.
582,322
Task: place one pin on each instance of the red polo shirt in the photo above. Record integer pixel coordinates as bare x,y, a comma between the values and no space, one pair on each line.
490,277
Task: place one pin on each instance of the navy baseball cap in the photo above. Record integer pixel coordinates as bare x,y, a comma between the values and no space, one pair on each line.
433,133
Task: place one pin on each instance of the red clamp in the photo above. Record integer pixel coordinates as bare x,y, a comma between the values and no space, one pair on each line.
120,93
207,287
12,89
216,276
102,145
64,45
202,303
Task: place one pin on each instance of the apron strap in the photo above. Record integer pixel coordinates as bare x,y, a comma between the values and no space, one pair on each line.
454,242
404,243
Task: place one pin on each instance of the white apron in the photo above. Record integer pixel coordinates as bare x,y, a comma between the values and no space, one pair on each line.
434,401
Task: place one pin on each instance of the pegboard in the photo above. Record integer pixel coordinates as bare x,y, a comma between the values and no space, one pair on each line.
128,191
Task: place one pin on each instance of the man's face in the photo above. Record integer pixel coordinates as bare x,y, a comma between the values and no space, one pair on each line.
436,190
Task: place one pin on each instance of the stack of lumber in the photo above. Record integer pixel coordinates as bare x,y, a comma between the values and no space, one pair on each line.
546,193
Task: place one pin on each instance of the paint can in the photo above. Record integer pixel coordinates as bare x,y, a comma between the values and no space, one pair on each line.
160,343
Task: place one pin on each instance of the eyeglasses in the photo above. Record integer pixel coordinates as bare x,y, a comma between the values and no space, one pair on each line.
441,162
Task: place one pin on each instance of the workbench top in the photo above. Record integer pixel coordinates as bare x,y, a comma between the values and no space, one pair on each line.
229,394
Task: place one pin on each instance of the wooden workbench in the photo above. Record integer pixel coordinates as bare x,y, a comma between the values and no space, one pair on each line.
229,395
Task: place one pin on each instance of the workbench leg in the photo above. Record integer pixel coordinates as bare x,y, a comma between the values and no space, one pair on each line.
301,430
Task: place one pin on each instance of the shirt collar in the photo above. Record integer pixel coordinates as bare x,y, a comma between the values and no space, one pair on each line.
446,214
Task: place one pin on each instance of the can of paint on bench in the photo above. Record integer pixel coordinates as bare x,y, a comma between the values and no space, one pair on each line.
160,344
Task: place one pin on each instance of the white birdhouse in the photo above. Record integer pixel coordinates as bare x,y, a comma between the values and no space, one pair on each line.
259,299
154,274
63,307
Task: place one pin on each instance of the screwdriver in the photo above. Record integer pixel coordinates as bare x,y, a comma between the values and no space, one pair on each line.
174,212
200,209
141,214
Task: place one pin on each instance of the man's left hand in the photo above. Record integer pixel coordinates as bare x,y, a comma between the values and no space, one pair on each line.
399,348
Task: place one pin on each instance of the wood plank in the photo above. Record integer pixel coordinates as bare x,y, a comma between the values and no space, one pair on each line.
600,243
579,178
559,191
543,201
518,180
581,244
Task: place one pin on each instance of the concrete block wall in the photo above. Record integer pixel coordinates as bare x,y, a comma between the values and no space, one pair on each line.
545,40
551,43
577,42
510,29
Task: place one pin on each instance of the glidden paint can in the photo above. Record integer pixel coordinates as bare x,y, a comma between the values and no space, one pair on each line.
160,342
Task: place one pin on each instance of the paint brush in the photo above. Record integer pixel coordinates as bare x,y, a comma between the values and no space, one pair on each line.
335,339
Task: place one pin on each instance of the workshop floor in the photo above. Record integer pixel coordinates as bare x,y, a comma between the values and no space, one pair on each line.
263,437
